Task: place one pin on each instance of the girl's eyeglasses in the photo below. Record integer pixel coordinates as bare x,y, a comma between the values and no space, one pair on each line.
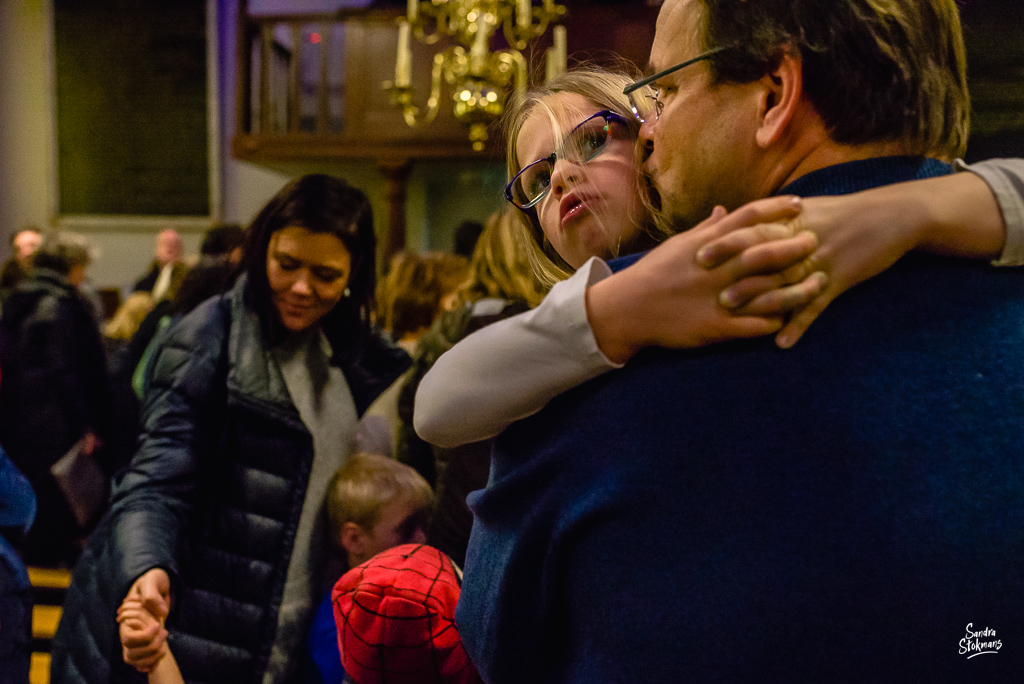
580,145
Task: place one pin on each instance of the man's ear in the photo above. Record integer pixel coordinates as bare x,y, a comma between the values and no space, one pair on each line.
780,99
353,539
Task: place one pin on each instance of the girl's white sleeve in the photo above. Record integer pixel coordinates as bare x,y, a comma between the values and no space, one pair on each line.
511,369
1006,179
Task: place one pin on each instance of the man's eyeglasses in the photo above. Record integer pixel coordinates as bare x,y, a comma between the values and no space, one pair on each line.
580,145
636,99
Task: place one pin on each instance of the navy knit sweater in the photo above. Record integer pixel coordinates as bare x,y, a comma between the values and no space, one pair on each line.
851,510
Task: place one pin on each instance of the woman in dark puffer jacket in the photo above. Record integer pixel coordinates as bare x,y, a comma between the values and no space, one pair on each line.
252,405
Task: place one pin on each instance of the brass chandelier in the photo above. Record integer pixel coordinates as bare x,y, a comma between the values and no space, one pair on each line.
478,76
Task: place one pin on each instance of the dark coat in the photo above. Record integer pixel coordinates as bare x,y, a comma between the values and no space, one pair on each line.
54,390
55,385
213,496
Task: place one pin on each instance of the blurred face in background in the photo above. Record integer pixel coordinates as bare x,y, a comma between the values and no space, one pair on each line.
308,273
168,247
25,245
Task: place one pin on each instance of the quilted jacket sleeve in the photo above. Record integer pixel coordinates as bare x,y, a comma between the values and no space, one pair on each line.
153,502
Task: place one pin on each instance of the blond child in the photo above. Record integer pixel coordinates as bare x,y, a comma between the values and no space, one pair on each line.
373,504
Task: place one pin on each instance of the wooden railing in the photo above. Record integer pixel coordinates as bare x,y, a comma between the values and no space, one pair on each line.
309,87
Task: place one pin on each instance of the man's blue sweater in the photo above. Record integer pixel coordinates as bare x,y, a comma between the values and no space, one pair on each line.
844,511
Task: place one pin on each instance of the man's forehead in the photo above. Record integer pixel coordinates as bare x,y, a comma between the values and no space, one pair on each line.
676,33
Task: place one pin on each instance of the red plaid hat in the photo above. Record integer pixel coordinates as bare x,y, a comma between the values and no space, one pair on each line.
395,615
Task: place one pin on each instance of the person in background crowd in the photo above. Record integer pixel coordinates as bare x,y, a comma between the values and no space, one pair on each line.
413,293
126,320
17,510
167,257
222,244
373,504
24,244
224,241
218,525
55,393
499,285
416,289
466,235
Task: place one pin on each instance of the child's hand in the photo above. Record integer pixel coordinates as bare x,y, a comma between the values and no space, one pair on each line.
143,637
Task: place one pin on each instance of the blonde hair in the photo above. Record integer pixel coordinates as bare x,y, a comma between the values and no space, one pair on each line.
361,489
409,297
601,87
500,266
126,320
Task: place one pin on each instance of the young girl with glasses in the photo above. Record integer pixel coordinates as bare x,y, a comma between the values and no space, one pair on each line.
770,266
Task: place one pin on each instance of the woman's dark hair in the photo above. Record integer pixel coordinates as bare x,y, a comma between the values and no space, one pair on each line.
222,239
208,278
320,204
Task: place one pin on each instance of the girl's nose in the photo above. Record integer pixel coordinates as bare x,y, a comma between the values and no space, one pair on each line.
563,176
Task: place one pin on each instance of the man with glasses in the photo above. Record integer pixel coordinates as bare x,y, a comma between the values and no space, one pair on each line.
849,510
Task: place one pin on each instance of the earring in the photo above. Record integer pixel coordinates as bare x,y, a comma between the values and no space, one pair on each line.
347,293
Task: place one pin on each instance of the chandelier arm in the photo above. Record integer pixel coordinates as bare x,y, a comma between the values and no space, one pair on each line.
511,31
435,86
424,37
522,72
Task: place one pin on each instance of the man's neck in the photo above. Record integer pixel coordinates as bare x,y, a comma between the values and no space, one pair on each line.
815,150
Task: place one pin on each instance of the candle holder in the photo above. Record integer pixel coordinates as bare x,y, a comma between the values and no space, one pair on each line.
478,76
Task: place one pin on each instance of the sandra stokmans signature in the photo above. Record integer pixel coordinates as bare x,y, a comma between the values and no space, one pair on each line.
980,642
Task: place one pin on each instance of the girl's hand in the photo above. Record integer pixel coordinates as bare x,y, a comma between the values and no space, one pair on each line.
667,299
862,234
858,239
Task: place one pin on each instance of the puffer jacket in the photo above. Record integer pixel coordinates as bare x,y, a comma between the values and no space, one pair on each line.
213,496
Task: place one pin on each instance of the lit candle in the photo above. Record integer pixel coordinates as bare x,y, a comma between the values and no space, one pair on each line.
479,49
403,64
413,10
549,65
561,56
523,16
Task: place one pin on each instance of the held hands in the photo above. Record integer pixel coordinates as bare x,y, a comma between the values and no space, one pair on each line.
141,620
855,244
667,299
